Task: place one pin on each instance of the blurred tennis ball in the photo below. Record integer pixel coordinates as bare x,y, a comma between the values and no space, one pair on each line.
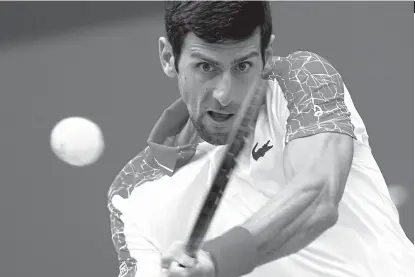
399,194
77,141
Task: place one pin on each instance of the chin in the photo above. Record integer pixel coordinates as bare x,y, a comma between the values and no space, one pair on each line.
214,138
209,133
209,136
217,143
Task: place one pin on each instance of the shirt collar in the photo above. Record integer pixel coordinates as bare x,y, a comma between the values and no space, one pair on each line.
173,140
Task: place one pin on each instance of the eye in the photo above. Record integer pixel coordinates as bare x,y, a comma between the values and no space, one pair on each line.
206,67
244,66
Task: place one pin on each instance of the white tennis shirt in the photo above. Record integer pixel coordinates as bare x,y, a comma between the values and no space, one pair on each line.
156,198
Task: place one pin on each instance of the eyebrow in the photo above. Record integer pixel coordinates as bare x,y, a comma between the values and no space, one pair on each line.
210,60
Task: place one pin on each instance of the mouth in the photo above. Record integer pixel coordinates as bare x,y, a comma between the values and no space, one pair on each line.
219,116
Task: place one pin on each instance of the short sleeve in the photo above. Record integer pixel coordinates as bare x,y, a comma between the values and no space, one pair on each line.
137,255
315,95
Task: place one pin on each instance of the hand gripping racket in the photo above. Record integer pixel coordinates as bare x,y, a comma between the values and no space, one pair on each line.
243,126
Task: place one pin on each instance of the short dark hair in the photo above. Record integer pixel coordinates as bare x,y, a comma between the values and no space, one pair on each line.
216,22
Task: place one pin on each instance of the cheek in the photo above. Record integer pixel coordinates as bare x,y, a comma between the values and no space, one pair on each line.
191,90
244,86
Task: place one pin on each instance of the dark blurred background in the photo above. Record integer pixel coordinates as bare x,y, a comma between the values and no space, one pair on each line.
100,60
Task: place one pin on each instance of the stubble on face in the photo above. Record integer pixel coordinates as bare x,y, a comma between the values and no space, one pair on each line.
209,137
197,87
197,116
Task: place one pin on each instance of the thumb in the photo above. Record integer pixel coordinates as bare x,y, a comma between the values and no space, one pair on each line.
166,261
171,254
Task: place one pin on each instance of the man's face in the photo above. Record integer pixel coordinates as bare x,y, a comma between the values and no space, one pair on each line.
214,80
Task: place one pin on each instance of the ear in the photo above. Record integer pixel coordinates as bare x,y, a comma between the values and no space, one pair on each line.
269,52
167,57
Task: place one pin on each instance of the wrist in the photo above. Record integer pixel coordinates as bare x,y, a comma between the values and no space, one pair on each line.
233,254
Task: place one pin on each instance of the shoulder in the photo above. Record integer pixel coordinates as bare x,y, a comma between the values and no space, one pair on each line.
310,60
137,171
299,65
314,91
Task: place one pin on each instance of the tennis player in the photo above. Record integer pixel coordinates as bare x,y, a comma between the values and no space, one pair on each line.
306,198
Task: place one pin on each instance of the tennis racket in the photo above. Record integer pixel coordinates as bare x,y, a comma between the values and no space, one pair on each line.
243,126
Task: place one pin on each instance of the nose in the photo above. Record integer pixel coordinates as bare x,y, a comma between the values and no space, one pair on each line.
223,92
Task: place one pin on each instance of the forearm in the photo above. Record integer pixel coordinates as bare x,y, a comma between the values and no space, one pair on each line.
303,209
307,204
295,218
284,226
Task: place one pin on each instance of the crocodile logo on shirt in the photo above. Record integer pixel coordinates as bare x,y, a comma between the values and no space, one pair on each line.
256,154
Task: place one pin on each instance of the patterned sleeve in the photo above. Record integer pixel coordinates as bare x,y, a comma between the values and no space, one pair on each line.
315,95
137,256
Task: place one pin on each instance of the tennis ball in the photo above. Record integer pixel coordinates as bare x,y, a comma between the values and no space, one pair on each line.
77,141
398,194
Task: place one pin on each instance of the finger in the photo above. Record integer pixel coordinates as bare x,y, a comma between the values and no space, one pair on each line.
165,273
185,260
171,254
166,262
176,270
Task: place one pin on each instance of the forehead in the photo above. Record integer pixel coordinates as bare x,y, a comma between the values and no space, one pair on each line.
222,51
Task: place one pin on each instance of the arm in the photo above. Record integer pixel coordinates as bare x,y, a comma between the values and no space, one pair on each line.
317,159
307,205
137,256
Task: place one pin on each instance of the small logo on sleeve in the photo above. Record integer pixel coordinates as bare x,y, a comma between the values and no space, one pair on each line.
123,269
